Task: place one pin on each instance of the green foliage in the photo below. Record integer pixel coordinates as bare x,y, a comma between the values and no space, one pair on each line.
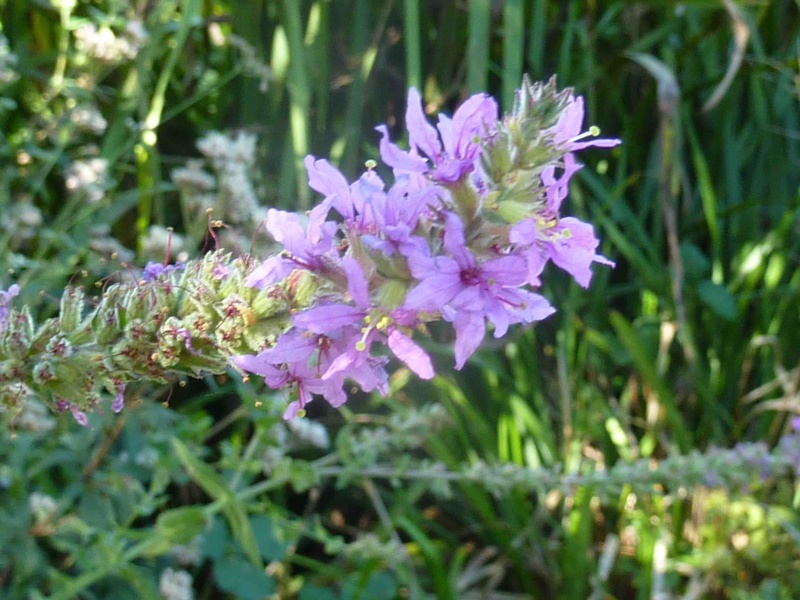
578,460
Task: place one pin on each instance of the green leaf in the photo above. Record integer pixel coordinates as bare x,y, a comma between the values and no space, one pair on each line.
269,546
315,592
216,487
377,586
181,525
242,579
718,299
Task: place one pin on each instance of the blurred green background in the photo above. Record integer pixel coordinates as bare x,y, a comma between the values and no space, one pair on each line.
526,474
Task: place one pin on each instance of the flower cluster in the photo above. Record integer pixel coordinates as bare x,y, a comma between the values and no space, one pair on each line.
462,235
108,47
173,320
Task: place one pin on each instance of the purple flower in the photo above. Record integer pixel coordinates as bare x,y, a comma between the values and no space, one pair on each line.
5,299
154,271
567,131
452,147
466,292
119,400
305,248
329,181
395,215
79,416
299,375
568,242
361,325
795,423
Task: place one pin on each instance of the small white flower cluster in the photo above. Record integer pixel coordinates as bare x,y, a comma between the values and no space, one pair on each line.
188,555
34,416
88,118
253,66
107,246
147,457
42,506
310,432
22,221
161,243
102,44
232,159
175,585
193,179
8,63
88,178
292,435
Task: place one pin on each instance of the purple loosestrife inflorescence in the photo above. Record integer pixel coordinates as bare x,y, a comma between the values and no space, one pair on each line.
462,235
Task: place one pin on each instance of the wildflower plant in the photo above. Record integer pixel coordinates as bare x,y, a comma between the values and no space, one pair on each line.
462,235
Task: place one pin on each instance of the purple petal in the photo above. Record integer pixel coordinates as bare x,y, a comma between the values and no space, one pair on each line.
79,416
475,118
275,378
507,270
119,400
569,123
574,249
524,233
291,411
452,170
272,270
331,390
291,347
356,282
394,157
410,353
328,181
454,242
497,314
370,376
470,329
470,298
536,262
434,292
328,318
597,143
524,306
421,133
341,364
445,127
